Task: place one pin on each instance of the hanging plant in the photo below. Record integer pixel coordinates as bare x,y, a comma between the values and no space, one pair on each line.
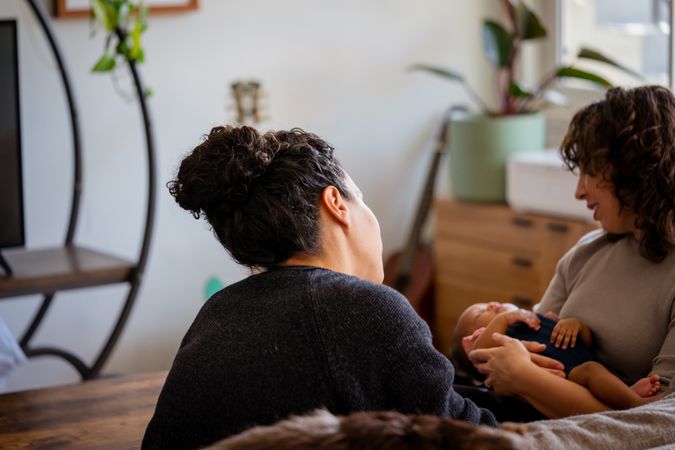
124,22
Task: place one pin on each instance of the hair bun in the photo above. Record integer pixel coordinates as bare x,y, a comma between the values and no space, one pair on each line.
220,172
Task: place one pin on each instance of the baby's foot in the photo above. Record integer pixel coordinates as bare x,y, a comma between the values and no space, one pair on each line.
648,386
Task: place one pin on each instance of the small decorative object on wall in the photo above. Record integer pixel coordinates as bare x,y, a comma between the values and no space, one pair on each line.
213,285
247,96
82,8
481,143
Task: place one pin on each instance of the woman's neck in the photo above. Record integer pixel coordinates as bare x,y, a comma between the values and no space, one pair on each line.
309,260
335,261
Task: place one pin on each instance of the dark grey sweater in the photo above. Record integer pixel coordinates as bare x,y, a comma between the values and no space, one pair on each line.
295,339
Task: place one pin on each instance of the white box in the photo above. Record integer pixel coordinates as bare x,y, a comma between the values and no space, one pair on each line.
539,182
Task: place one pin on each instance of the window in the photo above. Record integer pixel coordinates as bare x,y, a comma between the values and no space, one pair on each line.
635,33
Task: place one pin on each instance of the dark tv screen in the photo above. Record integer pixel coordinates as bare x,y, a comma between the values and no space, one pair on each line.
11,188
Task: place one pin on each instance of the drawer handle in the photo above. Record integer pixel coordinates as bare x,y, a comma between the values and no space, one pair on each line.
522,262
522,222
522,302
558,227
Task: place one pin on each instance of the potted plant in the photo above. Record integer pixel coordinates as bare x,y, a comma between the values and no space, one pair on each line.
481,143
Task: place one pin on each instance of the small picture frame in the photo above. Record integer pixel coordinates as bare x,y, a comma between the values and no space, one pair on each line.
81,8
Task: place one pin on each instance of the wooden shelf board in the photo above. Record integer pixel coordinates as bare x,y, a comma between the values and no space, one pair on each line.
55,269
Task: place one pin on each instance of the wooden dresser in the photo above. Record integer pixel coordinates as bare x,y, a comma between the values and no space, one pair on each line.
488,252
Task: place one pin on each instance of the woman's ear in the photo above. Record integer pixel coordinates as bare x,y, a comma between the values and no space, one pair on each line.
336,205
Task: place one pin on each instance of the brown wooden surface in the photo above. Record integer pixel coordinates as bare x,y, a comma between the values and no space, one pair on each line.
492,225
518,271
488,252
110,413
51,270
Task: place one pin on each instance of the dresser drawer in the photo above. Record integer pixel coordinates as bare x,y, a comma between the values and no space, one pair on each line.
498,269
490,225
454,295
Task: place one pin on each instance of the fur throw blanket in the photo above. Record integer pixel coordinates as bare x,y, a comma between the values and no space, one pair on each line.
375,430
645,427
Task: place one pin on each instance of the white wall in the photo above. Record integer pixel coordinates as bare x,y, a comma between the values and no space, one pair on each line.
333,68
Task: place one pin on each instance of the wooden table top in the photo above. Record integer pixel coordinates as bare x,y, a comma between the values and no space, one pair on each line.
110,413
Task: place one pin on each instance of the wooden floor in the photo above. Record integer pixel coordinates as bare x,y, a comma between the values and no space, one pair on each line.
110,413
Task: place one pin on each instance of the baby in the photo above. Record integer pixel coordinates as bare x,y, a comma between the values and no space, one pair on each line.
567,340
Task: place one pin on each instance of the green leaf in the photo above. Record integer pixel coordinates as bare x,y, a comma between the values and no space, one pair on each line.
439,71
516,91
123,49
123,12
105,14
140,56
106,63
143,15
572,72
497,43
136,40
594,55
149,93
528,25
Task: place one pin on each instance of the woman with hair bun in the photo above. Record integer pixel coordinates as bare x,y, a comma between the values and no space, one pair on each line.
313,327
617,282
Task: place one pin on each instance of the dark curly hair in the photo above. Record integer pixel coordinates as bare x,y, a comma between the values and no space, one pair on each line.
632,133
260,192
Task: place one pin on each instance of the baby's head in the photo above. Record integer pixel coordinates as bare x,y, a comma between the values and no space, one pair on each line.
468,329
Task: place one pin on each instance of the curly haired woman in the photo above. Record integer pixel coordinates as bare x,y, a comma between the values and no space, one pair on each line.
618,281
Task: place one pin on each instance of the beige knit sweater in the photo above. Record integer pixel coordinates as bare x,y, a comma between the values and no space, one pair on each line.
627,301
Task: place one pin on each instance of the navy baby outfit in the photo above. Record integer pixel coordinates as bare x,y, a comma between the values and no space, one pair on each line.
571,357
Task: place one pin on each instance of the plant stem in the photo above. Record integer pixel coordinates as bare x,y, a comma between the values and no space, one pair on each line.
510,10
476,98
512,72
547,80
501,92
508,105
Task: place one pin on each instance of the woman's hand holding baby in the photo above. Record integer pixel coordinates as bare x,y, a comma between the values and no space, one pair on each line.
505,365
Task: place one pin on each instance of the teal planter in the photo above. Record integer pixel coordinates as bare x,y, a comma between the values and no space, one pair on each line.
480,146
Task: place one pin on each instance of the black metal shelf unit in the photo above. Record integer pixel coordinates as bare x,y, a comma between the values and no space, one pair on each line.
71,266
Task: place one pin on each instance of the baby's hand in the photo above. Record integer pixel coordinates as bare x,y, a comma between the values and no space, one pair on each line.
523,315
565,333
